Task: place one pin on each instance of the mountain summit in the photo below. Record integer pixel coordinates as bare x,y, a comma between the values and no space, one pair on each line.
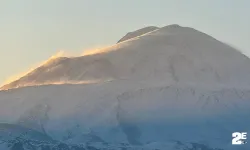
137,33
170,54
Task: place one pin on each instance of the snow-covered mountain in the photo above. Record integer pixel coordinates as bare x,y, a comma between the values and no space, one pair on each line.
169,54
170,88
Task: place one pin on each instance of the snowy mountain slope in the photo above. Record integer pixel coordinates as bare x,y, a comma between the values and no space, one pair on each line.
12,132
135,113
171,53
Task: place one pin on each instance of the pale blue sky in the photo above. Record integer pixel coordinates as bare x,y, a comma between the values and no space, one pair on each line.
33,30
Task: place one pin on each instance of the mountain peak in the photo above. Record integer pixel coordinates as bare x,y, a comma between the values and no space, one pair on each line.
137,33
173,26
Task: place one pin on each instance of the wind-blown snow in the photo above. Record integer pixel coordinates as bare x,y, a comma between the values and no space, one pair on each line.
173,87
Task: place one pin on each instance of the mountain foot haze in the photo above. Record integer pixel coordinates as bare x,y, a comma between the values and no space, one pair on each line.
173,88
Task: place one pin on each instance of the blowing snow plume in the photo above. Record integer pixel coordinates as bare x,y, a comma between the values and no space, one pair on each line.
172,54
54,63
18,76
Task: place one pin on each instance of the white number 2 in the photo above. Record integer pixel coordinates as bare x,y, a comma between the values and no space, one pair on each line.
238,137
